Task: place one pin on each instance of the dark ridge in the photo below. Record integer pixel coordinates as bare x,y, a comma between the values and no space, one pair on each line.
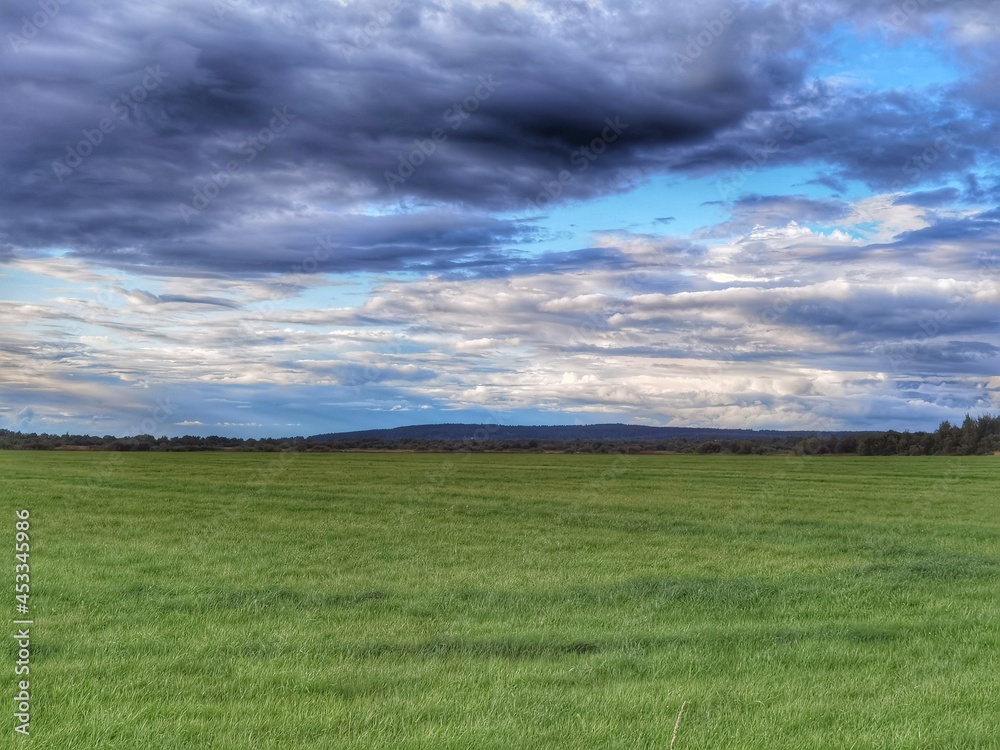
974,436
564,433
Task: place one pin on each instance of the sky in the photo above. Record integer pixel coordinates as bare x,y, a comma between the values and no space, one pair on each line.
260,219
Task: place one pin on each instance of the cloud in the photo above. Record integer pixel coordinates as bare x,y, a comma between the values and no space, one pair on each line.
273,127
929,198
273,208
140,297
749,211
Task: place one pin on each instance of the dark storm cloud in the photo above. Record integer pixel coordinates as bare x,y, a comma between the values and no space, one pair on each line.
929,198
230,138
432,241
838,186
868,319
892,141
196,135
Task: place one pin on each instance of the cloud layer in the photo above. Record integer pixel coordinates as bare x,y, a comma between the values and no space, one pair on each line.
358,204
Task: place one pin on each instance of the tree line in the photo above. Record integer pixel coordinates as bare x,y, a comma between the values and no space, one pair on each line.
975,436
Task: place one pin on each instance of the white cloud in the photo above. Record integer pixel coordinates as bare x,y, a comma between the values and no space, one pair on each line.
764,331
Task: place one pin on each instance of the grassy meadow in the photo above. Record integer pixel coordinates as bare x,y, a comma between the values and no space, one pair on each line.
372,600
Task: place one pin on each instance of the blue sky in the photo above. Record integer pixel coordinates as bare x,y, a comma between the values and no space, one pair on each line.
261,219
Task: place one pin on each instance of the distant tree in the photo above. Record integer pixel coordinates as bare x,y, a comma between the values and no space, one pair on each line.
847,444
812,446
873,445
968,439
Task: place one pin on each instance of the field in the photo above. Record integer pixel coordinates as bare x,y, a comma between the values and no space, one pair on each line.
228,600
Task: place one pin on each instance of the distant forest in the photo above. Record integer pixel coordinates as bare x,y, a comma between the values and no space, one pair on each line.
975,436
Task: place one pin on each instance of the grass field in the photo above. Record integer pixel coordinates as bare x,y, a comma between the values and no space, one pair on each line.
229,600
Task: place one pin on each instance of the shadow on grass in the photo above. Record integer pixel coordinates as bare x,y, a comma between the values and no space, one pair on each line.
718,592
264,599
723,592
931,565
721,640
497,648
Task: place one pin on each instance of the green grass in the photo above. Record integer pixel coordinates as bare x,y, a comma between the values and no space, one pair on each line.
508,601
